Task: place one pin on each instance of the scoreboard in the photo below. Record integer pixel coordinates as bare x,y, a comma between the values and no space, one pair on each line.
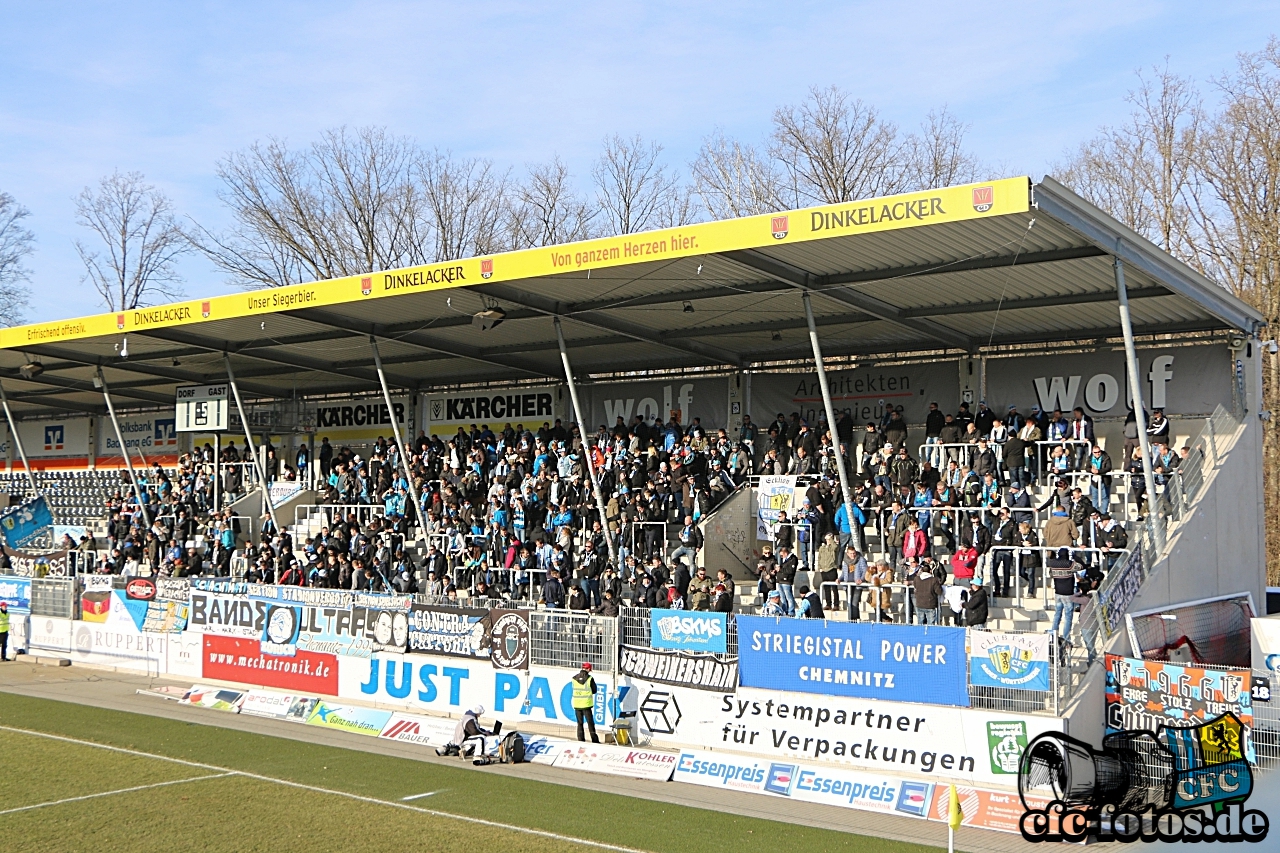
202,408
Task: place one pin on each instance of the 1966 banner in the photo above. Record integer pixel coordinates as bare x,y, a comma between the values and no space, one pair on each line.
905,663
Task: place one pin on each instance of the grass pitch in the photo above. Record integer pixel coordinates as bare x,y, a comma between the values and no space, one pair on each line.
243,791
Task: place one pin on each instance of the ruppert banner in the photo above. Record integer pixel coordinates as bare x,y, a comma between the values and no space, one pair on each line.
691,631
904,663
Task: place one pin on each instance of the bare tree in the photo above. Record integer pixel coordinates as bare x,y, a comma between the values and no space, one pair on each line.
734,179
635,190
836,148
16,243
546,210
466,205
1145,172
350,203
142,241
936,156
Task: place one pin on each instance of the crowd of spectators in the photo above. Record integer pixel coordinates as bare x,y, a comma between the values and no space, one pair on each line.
513,514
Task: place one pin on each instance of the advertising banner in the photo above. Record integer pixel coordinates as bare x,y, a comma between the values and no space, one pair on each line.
454,631
998,810
120,643
237,659
39,564
16,592
961,744
183,653
440,684
775,494
1264,647
529,407
700,671
1016,661
830,786
905,663
1182,380
1144,694
23,523
423,731
617,761
280,706
705,399
687,630
151,435
356,719
866,393
60,438
359,419
216,698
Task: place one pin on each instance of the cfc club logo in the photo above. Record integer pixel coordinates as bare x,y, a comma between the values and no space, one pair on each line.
983,198
779,227
366,285
486,268
204,310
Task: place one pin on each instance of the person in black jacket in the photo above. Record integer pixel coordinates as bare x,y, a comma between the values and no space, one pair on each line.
722,599
975,606
786,578
553,591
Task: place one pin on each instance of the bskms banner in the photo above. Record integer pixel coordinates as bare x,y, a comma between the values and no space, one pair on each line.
692,631
905,663
1016,661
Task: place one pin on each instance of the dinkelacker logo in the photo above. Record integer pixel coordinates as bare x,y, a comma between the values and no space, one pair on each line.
1142,786
779,227
983,198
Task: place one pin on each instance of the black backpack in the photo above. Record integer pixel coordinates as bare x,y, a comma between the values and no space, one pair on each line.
511,749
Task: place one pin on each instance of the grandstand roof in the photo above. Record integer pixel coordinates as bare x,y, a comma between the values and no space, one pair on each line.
961,268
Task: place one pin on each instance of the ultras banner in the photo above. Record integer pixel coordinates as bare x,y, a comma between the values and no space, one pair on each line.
689,669
461,632
288,619
905,663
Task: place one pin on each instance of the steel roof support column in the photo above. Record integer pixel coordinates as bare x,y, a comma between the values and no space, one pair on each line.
831,414
17,440
1135,386
248,436
128,461
586,448
395,430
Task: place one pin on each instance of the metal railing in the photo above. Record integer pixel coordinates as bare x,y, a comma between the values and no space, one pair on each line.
1101,557
568,639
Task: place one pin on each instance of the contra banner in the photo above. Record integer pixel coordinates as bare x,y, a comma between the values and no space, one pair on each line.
1015,661
453,631
905,663
1146,694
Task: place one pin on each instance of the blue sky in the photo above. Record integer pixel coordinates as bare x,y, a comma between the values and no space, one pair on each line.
169,88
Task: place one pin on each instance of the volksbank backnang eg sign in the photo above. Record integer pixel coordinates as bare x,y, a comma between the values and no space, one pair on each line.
689,631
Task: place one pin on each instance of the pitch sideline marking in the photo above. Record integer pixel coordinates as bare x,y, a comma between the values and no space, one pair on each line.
117,791
418,796
555,836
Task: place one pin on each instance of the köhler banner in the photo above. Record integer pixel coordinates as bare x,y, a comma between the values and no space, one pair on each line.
686,630
1016,661
905,663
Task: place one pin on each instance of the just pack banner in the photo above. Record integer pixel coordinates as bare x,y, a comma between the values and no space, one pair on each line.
700,671
905,663
39,564
960,744
686,630
454,631
23,523
1146,694
1016,661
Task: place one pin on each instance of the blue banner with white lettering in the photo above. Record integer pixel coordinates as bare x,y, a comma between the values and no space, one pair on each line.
22,523
15,592
689,630
905,663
